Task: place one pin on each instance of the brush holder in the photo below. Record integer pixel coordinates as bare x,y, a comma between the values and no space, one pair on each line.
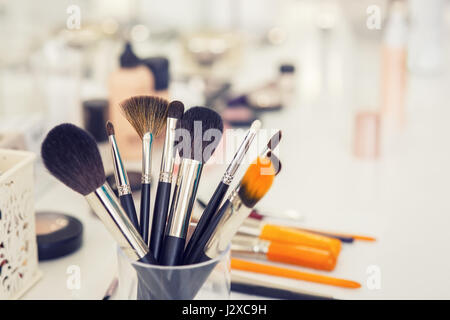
18,250
205,281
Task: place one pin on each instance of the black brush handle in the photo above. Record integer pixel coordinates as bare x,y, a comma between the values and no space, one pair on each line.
160,217
148,258
197,252
275,293
172,252
144,221
127,203
205,219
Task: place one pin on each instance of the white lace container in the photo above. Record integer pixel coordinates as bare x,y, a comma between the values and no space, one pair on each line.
18,249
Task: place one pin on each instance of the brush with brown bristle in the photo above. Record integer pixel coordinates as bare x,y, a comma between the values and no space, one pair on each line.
254,185
121,176
147,115
162,199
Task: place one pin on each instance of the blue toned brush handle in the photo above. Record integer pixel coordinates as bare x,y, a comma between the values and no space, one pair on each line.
144,221
160,211
172,251
205,219
197,253
127,203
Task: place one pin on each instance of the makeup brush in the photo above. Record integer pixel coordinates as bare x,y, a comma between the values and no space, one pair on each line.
176,110
268,289
72,156
147,115
244,265
254,185
272,232
120,174
304,256
201,130
222,188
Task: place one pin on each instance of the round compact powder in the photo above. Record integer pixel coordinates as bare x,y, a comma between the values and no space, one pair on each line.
57,234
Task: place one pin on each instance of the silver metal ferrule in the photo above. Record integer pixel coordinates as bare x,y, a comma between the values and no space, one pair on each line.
147,141
228,226
107,207
168,155
250,246
251,227
240,153
123,185
184,197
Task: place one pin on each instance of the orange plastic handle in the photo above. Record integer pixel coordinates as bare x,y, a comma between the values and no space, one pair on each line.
298,237
244,265
301,256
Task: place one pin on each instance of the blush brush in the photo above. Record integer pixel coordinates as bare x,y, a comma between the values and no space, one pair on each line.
161,207
121,176
200,132
147,115
222,188
72,156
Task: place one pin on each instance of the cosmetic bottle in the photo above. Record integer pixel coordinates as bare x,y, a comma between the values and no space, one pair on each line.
393,73
132,78
286,83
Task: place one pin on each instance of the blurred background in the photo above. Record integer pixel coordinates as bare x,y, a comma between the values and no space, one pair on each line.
360,89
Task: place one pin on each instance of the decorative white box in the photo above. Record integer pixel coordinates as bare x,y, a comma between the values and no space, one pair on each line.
18,249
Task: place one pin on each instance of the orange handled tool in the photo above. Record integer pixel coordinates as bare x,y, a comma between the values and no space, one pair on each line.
298,237
302,256
244,265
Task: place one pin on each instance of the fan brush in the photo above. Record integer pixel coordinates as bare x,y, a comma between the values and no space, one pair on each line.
147,115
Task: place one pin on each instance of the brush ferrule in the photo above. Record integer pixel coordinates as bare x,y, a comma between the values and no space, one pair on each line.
251,227
240,153
120,173
168,155
251,246
228,226
147,141
183,197
107,207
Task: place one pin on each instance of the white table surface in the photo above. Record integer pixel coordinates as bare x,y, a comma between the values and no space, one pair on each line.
402,198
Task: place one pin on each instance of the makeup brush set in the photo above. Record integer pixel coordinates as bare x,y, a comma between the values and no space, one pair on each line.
72,156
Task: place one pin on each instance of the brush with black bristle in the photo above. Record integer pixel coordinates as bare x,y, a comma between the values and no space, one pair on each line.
147,115
72,156
256,182
161,206
221,189
200,132
272,144
121,176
